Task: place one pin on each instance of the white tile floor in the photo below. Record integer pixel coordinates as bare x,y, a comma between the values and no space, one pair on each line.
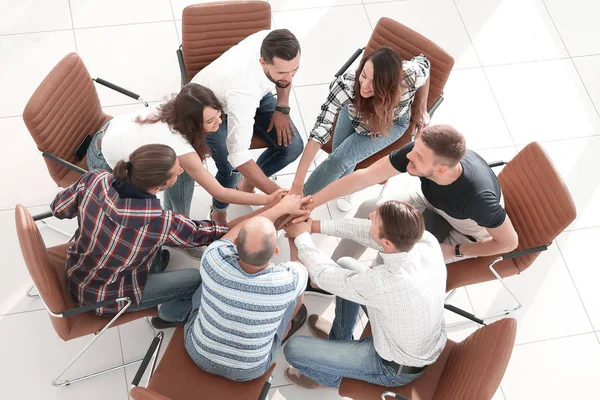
525,70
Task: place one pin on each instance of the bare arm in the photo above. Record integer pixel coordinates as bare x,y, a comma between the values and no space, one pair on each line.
504,239
293,250
310,151
257,178
363,178
192,164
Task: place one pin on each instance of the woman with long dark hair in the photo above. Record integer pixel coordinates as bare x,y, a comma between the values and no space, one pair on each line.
375,107
182,123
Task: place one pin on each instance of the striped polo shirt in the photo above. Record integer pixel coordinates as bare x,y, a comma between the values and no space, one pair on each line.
239,313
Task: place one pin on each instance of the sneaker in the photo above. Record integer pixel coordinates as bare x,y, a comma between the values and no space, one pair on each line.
303,381
195,252
159,323
319,326
344,203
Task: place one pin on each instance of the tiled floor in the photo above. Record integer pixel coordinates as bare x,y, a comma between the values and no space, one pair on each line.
525,70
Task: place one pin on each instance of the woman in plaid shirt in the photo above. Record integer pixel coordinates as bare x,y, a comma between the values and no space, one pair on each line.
121,228
374,111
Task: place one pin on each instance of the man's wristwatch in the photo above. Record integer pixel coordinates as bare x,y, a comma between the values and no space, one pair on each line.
283,109
457,252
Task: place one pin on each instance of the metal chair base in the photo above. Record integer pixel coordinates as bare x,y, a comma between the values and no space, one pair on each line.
58,383
497,314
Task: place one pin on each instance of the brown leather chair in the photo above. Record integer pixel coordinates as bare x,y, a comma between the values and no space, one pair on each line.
62,111
408,44
469,370
210,29
539,206
177,377
47,269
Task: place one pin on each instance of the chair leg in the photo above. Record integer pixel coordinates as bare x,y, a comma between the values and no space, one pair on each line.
505,286
56,382
30,294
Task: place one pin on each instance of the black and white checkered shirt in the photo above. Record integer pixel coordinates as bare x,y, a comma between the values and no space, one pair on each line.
341,93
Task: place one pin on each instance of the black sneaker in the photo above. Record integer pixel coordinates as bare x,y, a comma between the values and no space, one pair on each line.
159,323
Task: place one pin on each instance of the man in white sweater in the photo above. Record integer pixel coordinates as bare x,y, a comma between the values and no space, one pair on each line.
402,294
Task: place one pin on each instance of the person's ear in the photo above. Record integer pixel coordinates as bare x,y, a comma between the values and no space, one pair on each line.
277,250
235,241
441,169
262,62
387,243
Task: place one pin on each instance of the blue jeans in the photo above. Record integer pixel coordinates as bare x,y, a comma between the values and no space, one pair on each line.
349,148
240,375
94,157
172,292
273,159
328,361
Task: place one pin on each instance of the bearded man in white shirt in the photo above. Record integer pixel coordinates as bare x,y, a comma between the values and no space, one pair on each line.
242,80
402,294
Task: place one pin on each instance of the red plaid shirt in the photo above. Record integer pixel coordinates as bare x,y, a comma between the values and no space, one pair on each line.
117,239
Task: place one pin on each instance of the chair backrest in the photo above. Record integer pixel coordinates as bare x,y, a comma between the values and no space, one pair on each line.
476,365
61,112
409,44
537,200
210,29
41,269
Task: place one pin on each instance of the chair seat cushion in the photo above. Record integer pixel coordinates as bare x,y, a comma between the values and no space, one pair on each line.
178,377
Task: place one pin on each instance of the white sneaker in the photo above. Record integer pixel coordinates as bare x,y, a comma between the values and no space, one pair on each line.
344,203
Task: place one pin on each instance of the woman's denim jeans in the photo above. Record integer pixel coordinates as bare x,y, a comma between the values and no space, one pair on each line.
349,149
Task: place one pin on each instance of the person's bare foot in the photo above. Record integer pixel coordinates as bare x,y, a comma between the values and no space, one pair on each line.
245,186
218,216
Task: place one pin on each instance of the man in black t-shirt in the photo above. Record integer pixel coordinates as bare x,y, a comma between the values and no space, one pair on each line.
460,195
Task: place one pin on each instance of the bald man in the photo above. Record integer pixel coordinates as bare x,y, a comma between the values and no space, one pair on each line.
246,306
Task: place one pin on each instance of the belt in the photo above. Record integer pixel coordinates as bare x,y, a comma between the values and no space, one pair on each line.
403,369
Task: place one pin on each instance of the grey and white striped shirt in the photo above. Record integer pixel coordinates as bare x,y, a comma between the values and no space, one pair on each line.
239,313
404,296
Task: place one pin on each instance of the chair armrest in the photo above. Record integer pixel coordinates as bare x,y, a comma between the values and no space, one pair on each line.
90,307
435,105
182,69
64,163
142,393
121,90
463,313
525,252
150,354
495,164
348,63
265,389
45,215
